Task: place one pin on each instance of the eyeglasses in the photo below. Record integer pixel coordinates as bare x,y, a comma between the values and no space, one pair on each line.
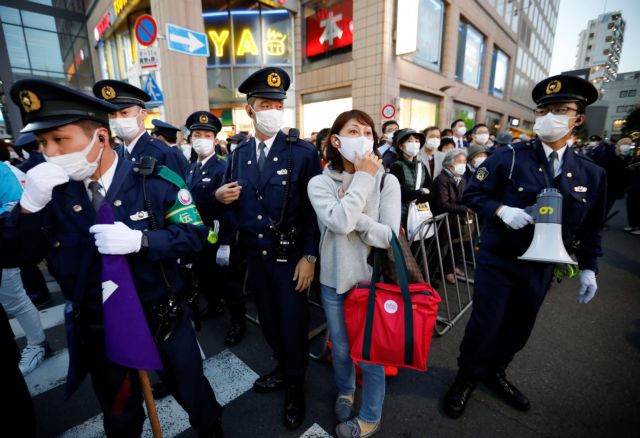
555,111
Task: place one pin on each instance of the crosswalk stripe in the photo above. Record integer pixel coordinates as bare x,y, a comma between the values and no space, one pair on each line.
229,376
315,431
51,373
50,317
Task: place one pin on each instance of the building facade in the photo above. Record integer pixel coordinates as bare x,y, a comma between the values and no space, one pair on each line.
621,97
600,47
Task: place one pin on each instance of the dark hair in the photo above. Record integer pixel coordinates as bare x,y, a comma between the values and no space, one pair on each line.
479,125
387,123
581,107
90,126
331,154
456,121
429,129
4,152
446,141
320,137
446,132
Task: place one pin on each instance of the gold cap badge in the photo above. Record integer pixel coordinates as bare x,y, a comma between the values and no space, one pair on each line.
554,86
273,80
204,118
29,101
108,92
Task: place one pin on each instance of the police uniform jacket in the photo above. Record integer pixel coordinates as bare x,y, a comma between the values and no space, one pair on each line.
514,176
262,195
148,146
34,159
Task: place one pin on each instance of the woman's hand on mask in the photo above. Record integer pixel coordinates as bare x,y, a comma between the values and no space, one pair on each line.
370,163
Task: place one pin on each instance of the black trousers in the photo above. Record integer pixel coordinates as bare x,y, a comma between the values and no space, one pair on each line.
633,206
33,281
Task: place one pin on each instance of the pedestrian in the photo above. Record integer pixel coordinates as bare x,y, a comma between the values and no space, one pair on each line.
30,145
266,188
358,209
127,122
387,149
502,139
508,292
156,223
429,154
459,130
615,165
480,135
446,144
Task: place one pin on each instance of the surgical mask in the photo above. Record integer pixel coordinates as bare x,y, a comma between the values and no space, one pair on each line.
625,149
411,148
459,169
389,136
186,150
75,164
551,127
14,156
433,143
125,127
203,146
26,154
461,130
476,162
482,138
232,147
269,121
570,142
350,145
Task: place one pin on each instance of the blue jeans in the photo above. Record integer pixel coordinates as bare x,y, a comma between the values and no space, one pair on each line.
373,383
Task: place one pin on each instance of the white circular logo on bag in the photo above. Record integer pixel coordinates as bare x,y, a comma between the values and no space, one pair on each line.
391,306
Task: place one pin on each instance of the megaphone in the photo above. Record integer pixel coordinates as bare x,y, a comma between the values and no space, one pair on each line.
547,245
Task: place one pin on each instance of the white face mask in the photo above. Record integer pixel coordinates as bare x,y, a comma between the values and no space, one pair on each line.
125,127
14,156
433,143
625,149
75,164
476,162
459,169
203,146
186,150
481,139
350,145
232,147
411,148
551,127
570,142
461,130
26,154
269,121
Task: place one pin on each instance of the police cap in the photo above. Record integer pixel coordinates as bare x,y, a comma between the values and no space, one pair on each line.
45,105
204,121
166,130
564,88
269,83
504,137
27,140
121,94
238,138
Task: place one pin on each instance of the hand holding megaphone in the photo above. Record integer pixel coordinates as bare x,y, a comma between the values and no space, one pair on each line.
514,218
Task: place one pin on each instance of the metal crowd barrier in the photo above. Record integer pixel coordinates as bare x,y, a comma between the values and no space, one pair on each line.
454,239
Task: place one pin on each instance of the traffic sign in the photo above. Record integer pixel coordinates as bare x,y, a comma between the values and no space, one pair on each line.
187,41
152,89
146,30
388,111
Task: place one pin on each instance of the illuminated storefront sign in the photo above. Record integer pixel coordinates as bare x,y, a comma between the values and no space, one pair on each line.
249,37
109,18
329,29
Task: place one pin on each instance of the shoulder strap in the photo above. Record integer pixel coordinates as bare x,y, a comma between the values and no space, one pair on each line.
384,175
419,175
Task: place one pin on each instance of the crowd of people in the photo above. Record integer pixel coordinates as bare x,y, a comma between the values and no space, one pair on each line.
281,211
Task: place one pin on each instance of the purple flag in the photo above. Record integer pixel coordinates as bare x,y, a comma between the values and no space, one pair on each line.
127,336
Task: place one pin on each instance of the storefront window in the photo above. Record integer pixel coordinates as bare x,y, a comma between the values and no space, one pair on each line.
493,122
499,72
428,44
466,113
328,28
322,114
469,59
417,110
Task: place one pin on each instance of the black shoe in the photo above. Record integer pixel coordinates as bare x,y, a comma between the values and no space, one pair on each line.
214,310
455,402
41,300
270,382
235,334
215,431
159,390
507,391
294,406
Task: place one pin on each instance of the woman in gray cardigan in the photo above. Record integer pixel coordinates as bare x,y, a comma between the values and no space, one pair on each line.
356,211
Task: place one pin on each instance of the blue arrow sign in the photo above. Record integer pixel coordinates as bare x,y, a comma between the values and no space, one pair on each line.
152,89
187,41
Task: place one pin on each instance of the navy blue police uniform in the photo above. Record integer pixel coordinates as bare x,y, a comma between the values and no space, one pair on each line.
508,292
60,233
124,95
288,167
29,143
166,130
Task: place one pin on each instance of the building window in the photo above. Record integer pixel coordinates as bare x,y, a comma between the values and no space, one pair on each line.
425,44
632,93
499,71
470,51
618,125
620,109
587,59
624,93
466,113
418,110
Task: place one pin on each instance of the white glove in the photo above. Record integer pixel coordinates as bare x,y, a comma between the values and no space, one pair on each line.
116,239
222,256
515,218
588,286
39,185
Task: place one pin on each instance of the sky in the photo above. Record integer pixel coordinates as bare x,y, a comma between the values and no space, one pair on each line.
574,16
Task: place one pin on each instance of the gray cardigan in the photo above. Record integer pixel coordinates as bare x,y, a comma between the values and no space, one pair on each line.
350,226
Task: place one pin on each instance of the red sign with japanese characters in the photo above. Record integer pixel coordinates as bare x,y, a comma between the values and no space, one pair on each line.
330,29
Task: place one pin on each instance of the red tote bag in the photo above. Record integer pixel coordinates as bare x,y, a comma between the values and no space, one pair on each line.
389,324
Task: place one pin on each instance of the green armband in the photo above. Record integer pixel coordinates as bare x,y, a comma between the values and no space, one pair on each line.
183,211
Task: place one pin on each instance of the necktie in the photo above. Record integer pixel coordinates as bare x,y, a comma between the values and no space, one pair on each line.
193,174
96,196
555,163
262,158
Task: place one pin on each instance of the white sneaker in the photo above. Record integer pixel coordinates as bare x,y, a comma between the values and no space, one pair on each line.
629,228
32,357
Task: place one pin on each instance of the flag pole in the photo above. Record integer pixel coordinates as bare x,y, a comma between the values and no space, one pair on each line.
151,406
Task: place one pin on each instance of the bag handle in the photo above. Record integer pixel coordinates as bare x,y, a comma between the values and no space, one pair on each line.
419,174
403,279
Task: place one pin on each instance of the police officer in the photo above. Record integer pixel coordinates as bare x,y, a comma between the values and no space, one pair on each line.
165,132
55,218
30,144
127,122
266,185
509,292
